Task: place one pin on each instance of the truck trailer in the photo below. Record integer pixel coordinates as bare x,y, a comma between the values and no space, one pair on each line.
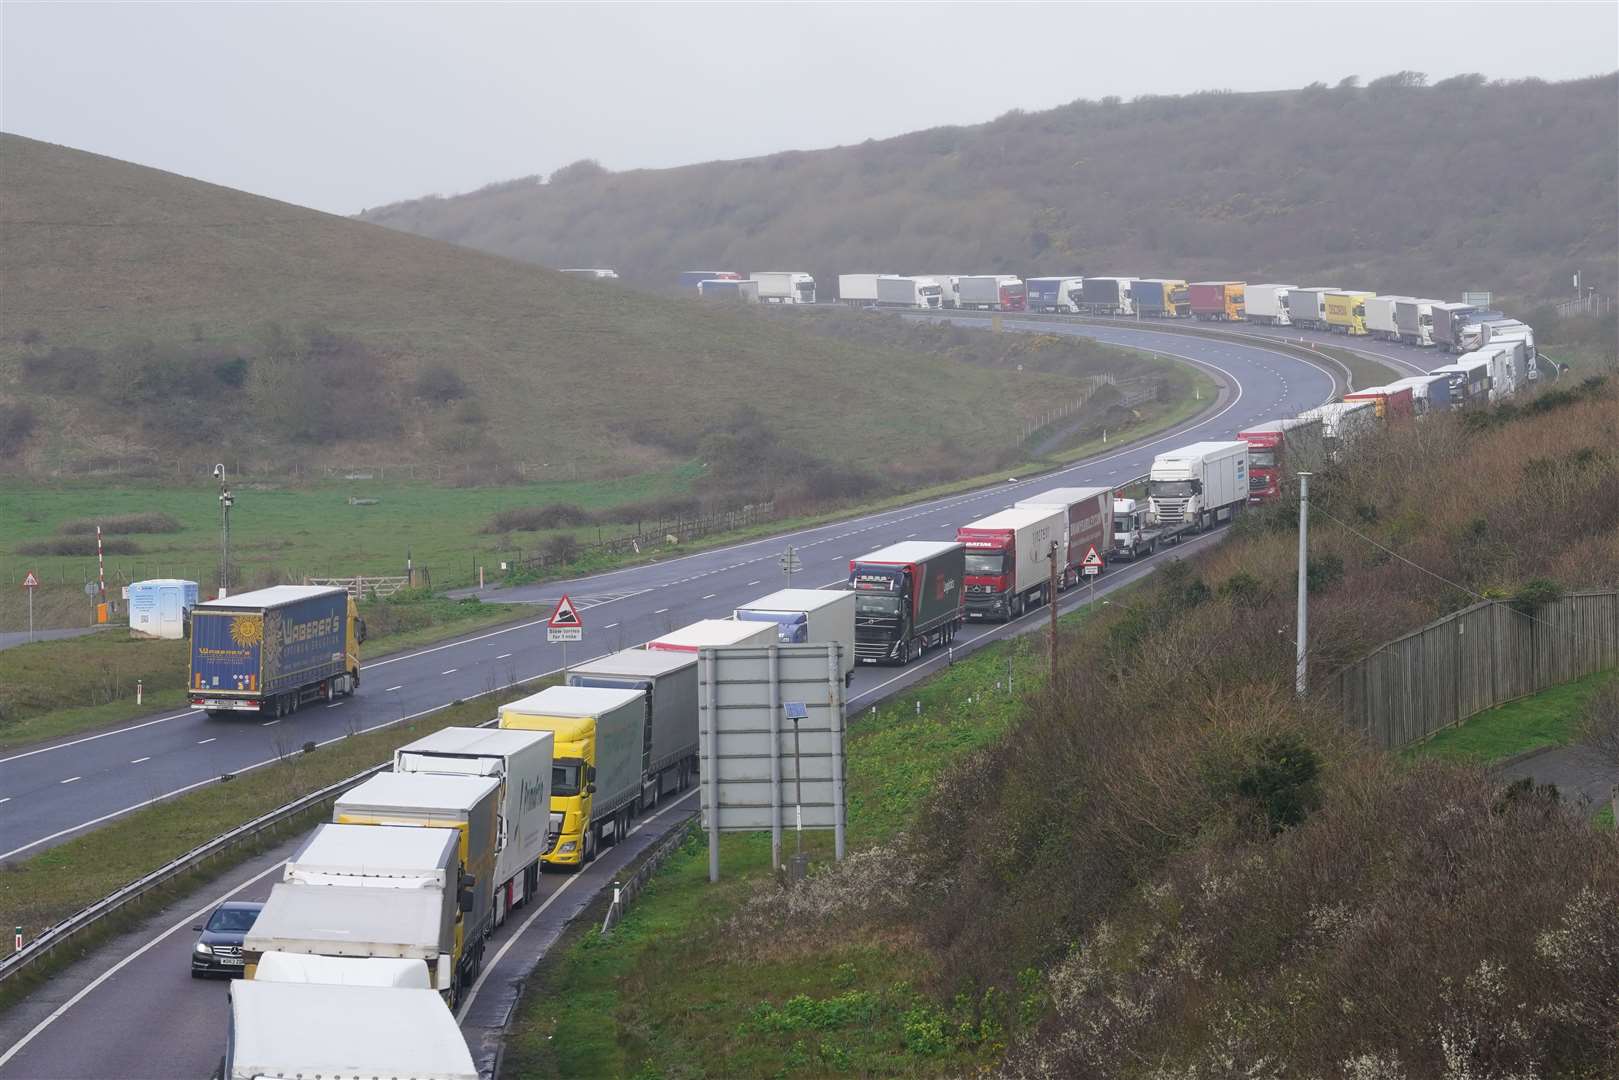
1054,294
908,599
470,805
808,616
1430,393
1380,317
601,742
1217,301
728,289
1345,311
1089,511
667,682
521,761
279,1029
909,292
784,287
715,633
691,279
1413,320
1109,295
858,290
1308,307
1267,304
1388,402
992,292
271,650
1198,484
949,288
1277,448
1448,320
1343,423
1009,560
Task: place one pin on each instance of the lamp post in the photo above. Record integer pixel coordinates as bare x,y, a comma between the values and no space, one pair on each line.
226,501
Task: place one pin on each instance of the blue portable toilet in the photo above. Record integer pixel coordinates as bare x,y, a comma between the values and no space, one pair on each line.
158,608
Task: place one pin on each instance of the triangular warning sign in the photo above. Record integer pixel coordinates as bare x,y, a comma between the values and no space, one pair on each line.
565,614
30,582
1091,558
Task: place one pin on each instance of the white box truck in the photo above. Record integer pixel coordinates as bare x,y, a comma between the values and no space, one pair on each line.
1089,511
521,761
281,1029
669,682
1308,307
908,292
341,970
1267,304
1342,423
808,615
784,287
1380,316
858,290
1199,484
992,292
1009,560
1413,320
601,743
713,632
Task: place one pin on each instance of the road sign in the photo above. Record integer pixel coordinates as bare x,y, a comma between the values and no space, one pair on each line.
30,581
565,624
1092,558
1092,571
90,588
789,561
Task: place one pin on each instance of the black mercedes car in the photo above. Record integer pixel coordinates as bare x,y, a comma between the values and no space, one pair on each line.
219,948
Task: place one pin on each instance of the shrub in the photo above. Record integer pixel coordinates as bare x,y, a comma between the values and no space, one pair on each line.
78,545
1598,723
1533,595
16,424
149,522
561,548
1281,781
440,385
557,515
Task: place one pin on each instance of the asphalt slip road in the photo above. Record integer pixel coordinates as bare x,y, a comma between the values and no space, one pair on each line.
49,793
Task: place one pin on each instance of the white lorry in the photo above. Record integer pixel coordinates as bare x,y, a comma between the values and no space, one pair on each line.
1199,484
949,288
1267,304
1308,307
713,632
1380,317
1413,320
992,292
1342,423
858,290
909,292
784,287
668,682
808,615
1089,513
521,761
288,1029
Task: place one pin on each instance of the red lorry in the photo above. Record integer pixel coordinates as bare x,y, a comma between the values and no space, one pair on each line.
1276,446
1218,301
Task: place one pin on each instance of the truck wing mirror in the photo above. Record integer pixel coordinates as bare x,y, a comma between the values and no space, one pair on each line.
590,789
359,631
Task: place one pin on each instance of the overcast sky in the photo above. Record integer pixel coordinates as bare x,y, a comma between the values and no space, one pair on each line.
342,107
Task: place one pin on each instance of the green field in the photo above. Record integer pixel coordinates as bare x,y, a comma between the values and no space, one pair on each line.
1541,720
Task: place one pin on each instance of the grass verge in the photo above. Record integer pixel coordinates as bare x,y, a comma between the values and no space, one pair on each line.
1363,369
52,689
656,998
1541,720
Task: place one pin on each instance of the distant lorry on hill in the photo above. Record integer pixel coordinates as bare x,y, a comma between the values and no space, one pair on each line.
784,287
949,288
858,290
1109,295
1307,307
1345,311
1162,298
601,274
1220,301
1055,294
691,279
729,289
1267,304
909,292
993,292
272,650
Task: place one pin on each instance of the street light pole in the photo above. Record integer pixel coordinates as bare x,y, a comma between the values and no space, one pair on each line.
1302,629
226,501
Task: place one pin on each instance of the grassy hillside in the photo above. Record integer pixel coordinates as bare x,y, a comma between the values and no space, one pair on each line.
151,320
1399,188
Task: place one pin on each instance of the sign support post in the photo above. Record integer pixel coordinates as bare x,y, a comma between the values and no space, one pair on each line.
564,626
30,582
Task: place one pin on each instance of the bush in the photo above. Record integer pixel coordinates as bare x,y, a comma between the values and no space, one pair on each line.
1598,723
16,424
78,545
562,548
150,522
1533,595
555,515
1281,781
440,385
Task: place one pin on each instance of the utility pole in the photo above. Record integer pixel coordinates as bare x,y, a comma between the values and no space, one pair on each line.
1051,600
1302,629
226,501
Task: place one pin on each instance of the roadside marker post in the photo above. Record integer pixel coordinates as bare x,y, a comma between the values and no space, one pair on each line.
30,582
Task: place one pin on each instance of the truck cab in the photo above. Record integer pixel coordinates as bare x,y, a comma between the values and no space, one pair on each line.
1130,527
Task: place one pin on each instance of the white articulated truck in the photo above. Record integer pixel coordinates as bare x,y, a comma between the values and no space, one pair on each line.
808,615
909,292
1009,560
714,633
1198,485
858,290
784,287
1342,423
668,681
521,761
597,779
992,292
288,1029
1089,512
1380,316
1413,320
949,288
1267,304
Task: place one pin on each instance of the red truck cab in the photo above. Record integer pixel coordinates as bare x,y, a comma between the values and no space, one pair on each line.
1270,446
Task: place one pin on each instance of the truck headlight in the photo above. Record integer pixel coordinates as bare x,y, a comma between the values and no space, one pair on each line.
569,848
204,950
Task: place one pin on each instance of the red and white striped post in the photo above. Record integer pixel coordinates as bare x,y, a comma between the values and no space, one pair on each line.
101,566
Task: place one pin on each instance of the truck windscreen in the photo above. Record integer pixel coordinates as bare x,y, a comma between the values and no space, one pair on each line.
991,565
565,778
1172,489
876,604
1261,459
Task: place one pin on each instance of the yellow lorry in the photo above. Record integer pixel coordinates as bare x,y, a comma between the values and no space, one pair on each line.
1346,311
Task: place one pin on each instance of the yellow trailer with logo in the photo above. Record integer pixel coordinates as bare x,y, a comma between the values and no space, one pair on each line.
1345,311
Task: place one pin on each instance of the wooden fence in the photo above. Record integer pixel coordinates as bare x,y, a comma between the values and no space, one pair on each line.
378,585
1474,659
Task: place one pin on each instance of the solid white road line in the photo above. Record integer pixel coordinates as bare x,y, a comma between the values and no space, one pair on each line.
6,799
472,994
70,780
205,742
138,760
270,723
391,689
335,705
452,671
710,596
504,656
131,958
